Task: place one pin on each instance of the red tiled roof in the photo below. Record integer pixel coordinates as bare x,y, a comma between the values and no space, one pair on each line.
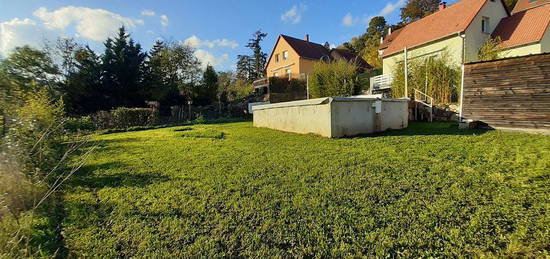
389,39
306,49
523,27
523,5
453,19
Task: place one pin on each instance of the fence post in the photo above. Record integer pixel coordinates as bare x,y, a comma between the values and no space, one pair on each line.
406,74
461,94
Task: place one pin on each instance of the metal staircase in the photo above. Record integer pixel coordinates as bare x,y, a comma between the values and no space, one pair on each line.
424,100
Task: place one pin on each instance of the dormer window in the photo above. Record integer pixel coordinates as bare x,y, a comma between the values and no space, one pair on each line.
485,25
285,55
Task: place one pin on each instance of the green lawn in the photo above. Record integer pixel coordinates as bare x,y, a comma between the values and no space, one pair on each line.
230,189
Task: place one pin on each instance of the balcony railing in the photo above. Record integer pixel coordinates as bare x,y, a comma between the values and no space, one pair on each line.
381,82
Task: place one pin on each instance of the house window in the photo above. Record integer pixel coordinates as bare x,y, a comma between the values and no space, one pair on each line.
288,73
285,55
275,74
276,57
485,25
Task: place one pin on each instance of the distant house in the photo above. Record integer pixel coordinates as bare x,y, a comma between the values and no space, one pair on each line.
527,30
294,58
459,31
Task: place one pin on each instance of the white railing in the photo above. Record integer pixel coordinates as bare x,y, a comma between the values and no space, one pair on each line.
420,97
381,82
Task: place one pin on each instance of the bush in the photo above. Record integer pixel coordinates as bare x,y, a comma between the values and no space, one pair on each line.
84,123
338,78
434,76
490,50
121,118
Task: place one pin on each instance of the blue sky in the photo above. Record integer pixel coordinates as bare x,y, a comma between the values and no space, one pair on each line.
218,29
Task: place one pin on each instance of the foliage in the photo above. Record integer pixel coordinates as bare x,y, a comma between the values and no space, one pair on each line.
121,118
122,74
28,69
251,67
434,76
491,50
427,191
283,85
418,9
367,44
206,92
338,78
510,4
80,124
239,89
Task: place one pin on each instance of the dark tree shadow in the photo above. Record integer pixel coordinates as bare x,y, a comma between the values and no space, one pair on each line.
428,129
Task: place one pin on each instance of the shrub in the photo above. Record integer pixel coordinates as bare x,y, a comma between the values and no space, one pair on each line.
435,76
84,123
338,78
122,118
491,50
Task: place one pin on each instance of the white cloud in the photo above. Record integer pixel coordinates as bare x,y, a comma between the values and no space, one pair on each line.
93,24
208,58
147,12
391,7
195,42
294,14
164,20
347,20
19,32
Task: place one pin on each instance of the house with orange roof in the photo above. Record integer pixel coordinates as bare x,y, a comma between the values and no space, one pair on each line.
527,30
456,31
294,58
459,30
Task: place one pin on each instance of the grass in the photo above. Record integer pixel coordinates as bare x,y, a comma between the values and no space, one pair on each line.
231,190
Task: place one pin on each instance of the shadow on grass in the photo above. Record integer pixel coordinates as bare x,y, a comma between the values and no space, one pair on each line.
91,176
428,129
167,125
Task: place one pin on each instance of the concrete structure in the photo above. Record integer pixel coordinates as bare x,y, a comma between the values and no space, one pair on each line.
334,117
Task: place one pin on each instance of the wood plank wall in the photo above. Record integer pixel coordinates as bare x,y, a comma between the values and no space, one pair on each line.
509,93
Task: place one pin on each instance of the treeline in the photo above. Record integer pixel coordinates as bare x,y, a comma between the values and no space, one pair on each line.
124,75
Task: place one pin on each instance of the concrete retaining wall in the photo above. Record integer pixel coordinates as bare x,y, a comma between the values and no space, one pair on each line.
334,117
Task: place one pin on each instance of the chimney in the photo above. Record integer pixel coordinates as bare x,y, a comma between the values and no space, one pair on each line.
306,38
442,6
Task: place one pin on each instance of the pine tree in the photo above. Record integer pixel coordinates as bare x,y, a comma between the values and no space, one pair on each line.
123,71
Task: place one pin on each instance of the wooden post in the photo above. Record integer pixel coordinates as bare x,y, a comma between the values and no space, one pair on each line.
461,95
406,74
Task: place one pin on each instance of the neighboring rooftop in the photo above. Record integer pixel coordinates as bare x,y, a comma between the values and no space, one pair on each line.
306,49
453,19
523,5
388,39
350,57
523,27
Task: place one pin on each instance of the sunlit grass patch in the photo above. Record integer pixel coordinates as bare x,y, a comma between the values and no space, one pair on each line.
428,191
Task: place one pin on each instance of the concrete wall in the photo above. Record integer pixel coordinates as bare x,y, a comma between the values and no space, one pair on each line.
334,117
475,37
309,116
